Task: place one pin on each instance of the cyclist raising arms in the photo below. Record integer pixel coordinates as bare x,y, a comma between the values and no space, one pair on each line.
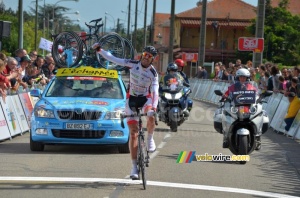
142,92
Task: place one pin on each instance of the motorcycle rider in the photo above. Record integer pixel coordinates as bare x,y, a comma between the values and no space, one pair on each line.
172,79
243,76
143,79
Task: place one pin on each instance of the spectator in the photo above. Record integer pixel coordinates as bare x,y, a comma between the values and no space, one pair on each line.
48,71
4,82
284,73
269,81
217,70
204,73
33,55
19,54
199,73
230,65
294,103
11,72
296,72
282,84
238,63
263,79
223,75
275,75
25,62
249,64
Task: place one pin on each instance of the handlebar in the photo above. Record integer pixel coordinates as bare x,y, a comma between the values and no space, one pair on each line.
123,116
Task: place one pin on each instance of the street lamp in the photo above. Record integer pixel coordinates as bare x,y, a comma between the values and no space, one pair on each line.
53,10
106,13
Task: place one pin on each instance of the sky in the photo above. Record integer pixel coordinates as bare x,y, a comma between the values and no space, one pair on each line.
94,9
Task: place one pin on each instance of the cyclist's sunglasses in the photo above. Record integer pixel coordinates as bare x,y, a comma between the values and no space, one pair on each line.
147,55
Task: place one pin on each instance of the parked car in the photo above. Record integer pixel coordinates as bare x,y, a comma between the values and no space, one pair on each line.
80,106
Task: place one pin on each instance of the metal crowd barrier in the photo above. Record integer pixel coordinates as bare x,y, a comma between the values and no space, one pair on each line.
16,109
276,107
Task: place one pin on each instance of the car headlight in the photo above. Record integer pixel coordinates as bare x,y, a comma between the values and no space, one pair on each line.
43,113
113,115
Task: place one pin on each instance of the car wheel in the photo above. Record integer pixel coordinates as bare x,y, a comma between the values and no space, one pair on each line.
36,146
124,148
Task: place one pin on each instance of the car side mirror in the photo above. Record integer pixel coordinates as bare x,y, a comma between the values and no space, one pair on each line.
36,93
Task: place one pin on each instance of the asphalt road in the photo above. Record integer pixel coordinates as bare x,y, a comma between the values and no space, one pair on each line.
93,171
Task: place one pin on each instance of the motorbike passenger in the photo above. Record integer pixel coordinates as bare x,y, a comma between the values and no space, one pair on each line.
180,64
243,76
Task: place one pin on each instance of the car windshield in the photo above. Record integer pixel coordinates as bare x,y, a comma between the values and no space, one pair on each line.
94,87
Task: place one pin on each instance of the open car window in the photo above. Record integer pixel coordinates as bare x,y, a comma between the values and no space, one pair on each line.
95,87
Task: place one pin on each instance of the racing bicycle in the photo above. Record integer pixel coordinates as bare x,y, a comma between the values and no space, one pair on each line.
142,152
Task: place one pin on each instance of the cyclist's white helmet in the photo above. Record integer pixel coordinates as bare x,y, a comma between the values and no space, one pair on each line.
243,72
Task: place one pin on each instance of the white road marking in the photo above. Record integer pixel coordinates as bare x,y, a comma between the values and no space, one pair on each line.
161,145
150,183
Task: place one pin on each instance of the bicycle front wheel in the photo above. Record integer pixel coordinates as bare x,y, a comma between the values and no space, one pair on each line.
113,43
141,159
67,49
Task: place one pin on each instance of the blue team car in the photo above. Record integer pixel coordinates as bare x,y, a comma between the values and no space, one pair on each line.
80,106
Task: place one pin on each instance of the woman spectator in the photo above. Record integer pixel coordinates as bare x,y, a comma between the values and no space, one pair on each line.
282,84
294,103
275,78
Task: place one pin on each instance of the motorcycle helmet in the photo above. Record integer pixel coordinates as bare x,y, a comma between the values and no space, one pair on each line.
243,72
172,67
150,49
179,62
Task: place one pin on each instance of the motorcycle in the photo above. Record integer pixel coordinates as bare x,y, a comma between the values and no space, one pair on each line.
174,105
242,120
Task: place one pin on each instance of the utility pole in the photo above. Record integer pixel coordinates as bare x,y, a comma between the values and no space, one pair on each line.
171,42
135,24
36,24
118,25
153,22
21,20
128,19
259,33
145,23
201,53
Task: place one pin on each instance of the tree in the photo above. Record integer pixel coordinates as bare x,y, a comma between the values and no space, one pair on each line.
281,33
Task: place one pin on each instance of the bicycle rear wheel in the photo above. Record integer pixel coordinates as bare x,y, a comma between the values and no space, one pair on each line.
67,49
141,159
113,43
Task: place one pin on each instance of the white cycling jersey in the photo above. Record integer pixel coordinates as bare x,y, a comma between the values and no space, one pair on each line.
141,81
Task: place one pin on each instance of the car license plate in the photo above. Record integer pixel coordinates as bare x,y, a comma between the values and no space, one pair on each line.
79,126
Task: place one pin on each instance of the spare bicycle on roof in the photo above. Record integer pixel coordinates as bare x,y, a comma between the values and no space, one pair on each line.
72,50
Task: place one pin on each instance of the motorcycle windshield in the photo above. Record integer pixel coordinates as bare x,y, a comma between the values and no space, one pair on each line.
244,93
172,83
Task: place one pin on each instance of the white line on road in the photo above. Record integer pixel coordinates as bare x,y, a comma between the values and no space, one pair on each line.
150,183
